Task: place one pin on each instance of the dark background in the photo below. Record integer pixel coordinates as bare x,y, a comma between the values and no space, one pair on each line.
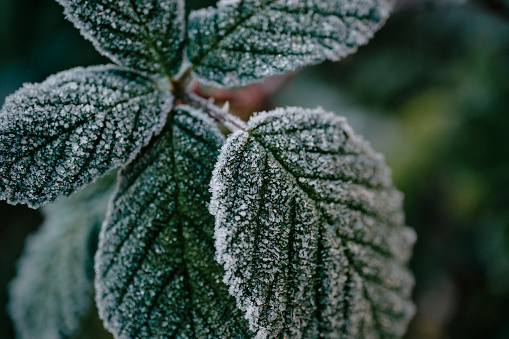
431,91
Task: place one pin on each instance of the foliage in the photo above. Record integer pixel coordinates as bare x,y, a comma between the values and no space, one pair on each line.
54,283
244,41
306,226
74,127
309,229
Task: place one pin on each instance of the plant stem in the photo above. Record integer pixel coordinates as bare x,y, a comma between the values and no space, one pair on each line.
230,121
184,79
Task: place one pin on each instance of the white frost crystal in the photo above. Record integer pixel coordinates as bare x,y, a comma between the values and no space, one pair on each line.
155,271
310,230
146,35
54,283
75,126
242,41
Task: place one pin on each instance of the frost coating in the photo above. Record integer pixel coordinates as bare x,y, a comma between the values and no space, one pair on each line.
140,34
75,126
155,271
310,230
54,283
240,42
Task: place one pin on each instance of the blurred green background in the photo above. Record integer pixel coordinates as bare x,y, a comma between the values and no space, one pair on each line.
431,91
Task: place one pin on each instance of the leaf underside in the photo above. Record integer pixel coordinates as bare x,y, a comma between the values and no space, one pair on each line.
145,35
241,42
155,271
75,126
310,230
54,283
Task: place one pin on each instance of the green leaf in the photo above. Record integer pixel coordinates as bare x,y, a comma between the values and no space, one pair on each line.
243,41
310,230
53,288
155,271
146,35
75,126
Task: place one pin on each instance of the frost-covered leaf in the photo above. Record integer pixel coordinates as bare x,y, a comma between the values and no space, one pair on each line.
54,283
310,230
242,41
155,271
65,132
145,35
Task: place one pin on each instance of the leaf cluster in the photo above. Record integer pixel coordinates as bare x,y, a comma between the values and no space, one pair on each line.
305,236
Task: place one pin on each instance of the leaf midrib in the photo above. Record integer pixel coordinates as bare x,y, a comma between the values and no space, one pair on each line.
180,227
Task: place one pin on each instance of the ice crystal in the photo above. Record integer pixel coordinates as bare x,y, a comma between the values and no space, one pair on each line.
54,283
155,271
244,41
65,132
310,230
146,35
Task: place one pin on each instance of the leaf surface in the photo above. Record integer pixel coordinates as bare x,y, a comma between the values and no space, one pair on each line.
310,230
75,126
146,35
155,271
53,287
243,41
